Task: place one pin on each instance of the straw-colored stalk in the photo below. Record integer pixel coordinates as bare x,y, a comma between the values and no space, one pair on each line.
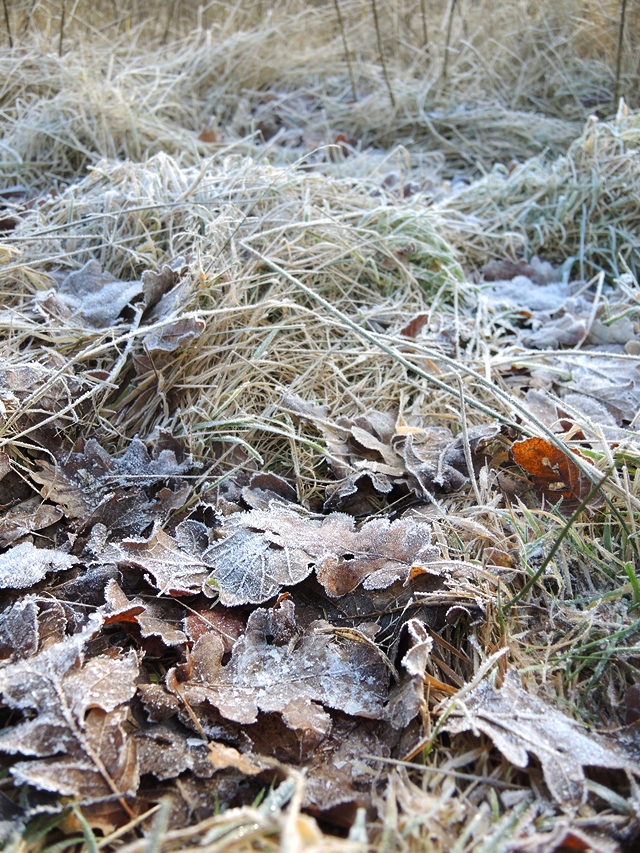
343,33
381,52
447,44
8,23
619,52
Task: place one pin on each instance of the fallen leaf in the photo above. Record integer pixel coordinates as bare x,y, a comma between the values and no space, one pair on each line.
151,617
552,471
519,724
268,549
24,565
175,335
173,569
272,666
94,297
81,754
95,487
27,517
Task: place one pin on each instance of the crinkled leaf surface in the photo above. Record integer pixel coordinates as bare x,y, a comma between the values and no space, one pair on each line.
87,755
24,565
272,667
519,723
269,549
173,569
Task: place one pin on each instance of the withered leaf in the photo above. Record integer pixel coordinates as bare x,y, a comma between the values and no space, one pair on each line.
519,724
268,549
174,570
97,760
151,617
24,565
25,518
167,750
156,284
552,471
174,335
95,487
94,297
272,667
407,698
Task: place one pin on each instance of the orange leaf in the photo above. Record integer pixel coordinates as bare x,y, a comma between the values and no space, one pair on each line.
551,470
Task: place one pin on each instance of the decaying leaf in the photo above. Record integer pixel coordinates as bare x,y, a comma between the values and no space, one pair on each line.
391,451
77,735
174,335
26,517
91,296
552,471
519,724
173,569
151,617
268,549
92,486
273,665
24,565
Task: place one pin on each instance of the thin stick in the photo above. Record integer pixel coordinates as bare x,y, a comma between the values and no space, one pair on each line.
346,49
6,18
425,29
445,63
616,91
62,17
381,52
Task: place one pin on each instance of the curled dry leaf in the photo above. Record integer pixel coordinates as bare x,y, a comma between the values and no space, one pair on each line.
173,335
77,735
519,724
91,296
97,488
272,666
24,565
151,617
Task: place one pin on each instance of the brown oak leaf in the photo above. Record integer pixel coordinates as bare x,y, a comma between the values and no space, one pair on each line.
76,734
519,723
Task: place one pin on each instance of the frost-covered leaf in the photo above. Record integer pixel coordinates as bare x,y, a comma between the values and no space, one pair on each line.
94,297
174,570
150,616
266,550
272,666
26,517
24,565
81,754
519,723
407,698
174,335
95,487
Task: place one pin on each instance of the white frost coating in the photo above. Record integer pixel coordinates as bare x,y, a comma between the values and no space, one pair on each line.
23,565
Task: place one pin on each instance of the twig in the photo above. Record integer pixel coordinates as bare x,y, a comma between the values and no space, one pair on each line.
381,52
425,29
616,91
6,18
346,49
445,62
62,17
